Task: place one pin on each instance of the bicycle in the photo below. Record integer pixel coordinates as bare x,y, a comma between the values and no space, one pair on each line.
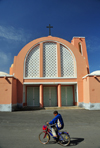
44,136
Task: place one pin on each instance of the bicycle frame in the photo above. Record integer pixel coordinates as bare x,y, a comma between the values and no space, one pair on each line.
48,131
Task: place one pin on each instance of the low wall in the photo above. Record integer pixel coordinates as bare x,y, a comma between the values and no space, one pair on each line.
5,94
91,93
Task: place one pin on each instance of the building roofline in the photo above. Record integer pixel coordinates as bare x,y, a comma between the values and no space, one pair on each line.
7,76
77,37
90,75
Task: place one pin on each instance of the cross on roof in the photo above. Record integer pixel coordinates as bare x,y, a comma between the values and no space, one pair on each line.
49,29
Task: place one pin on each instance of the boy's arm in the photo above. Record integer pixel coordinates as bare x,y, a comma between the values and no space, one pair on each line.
53,121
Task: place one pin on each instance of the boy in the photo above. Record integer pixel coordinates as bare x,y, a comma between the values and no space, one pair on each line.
59,123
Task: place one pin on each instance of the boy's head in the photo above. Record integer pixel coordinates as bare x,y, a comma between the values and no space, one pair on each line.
55,113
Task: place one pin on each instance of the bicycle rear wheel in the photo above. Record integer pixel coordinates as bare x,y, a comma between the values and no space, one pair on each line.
64,139
44,139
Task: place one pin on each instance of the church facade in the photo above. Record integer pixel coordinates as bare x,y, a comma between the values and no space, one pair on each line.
50,72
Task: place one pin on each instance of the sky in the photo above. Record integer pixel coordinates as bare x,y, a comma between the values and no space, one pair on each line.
22,21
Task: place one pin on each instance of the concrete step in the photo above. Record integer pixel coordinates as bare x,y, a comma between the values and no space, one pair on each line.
29,108
62,108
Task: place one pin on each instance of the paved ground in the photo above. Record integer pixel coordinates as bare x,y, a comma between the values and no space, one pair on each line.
21,129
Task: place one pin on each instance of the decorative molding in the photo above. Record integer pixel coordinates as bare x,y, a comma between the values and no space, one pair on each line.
39,78
47,83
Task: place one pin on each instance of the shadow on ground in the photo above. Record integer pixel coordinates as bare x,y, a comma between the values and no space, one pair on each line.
27,108
73,141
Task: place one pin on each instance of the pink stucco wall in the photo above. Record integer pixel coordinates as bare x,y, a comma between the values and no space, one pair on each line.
8,90
94,89
5,90
86,90
14,91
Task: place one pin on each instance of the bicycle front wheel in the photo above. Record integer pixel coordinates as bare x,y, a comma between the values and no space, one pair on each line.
44,138
64,139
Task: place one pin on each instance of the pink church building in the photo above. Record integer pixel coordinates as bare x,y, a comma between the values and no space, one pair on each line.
50,72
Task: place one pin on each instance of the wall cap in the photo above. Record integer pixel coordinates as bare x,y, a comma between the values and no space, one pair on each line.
90,75
8,76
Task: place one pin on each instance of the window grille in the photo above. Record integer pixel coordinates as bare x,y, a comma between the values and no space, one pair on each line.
49,59
67,63
32,63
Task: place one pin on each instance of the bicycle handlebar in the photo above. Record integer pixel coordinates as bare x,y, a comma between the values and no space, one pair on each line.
50,124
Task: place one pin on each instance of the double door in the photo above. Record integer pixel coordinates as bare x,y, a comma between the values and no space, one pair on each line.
50,96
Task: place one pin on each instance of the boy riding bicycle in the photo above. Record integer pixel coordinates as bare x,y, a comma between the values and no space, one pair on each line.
59,124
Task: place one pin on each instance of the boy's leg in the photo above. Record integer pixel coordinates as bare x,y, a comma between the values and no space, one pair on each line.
57,139
54,132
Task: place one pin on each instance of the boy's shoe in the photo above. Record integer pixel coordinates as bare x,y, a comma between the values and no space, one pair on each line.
57,139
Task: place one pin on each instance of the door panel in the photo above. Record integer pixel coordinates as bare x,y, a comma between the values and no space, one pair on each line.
46,96
64,95
50,96
67,95
32,96
29,96
36,96
53,96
